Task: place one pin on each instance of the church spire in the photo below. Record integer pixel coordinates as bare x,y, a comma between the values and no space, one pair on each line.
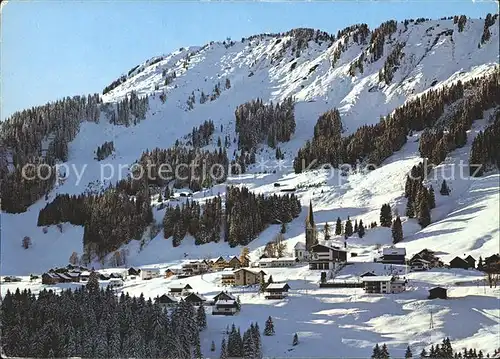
310,215
311,238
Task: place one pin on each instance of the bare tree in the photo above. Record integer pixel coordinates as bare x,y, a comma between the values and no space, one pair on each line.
73,259
280,245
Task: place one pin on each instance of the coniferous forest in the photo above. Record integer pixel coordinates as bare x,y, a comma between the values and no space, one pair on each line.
244,216
485,152
376,143
203,168
259,123
93,323
109,219
40,136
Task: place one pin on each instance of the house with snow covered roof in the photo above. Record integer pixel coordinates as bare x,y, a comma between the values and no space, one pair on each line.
180,289
393,255
277,290
326,257
166,301
225,307
300,251
223,295
277,262
195,298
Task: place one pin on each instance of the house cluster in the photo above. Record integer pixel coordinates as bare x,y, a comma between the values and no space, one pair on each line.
204,266
319,256
75,274
223,303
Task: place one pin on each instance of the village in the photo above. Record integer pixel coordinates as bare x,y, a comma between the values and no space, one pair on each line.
303,285
388,274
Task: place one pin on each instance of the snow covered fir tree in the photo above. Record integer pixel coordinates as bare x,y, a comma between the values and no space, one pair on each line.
303,193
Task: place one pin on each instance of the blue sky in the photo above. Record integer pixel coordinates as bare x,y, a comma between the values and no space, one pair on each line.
52,49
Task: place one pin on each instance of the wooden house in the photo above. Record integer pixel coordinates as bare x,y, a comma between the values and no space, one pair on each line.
426,255
438,292
325,257
472,262
64,278
75,276
277,290
491,264
393,255
458,262
50,278
234,263
219,264
166,301
225,307
195,298
419,264
170,272
84,276
103,276
180,289
134,271
223,296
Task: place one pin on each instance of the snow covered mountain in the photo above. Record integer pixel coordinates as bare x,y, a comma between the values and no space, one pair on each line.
365,74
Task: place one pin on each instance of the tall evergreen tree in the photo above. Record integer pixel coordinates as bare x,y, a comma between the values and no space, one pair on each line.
201,317
361,229
397,230
338,227
432,198
385,215
269,329
348,227
424,212
223,350
445,190
384,352
93,282
326,232
408,353
410,211
376,352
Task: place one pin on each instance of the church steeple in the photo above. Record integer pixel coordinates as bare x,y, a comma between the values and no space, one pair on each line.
311,236
310,216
